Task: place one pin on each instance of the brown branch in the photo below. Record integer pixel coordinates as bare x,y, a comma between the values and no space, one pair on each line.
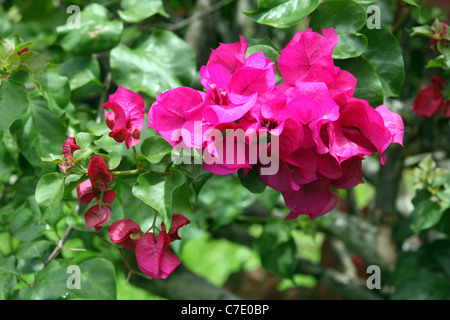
59,246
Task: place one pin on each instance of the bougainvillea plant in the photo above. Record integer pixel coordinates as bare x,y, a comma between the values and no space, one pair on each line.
195,144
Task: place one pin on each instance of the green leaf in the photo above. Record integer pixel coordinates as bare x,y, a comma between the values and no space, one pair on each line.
269,52
415,3
54,88
277,249
350,46
50,283
384,53
421,30
344,16
161,62
368,86
72,181
200,181
96,33
426,213
436,63
83,153
156,191
49,193
33,249
8,274
9,59
34,62
155,148
427,163
252,181
113,160
26,224
80,71
85,139
8,282
8,265
98,280
57,158
282,13
13,103
137,10
39,132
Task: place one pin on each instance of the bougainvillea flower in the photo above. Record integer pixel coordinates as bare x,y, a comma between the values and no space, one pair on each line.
226,150
178,221
430,99
360,130
313,106
154,257
351,174
177,114
97,216
308,57
86,193
393,122
232,94
223,106
270,116
126,117
126,232
427,102
99,173
313,199
229,55
68,148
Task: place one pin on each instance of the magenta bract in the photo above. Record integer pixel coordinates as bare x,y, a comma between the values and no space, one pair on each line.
126,117
97,216
154,257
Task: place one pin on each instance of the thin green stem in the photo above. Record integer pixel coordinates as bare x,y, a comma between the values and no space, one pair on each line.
128,172
138,163
136,171
153,226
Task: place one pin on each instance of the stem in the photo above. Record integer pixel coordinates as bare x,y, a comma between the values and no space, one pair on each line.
138,163
153,224
136,171
59,246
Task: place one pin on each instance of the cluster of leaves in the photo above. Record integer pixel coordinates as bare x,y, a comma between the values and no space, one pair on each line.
56,89
439,37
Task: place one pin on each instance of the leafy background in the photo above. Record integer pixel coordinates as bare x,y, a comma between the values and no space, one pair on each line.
238,244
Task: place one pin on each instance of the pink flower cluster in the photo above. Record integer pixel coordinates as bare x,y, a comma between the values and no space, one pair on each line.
321,130
153,255
430,99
